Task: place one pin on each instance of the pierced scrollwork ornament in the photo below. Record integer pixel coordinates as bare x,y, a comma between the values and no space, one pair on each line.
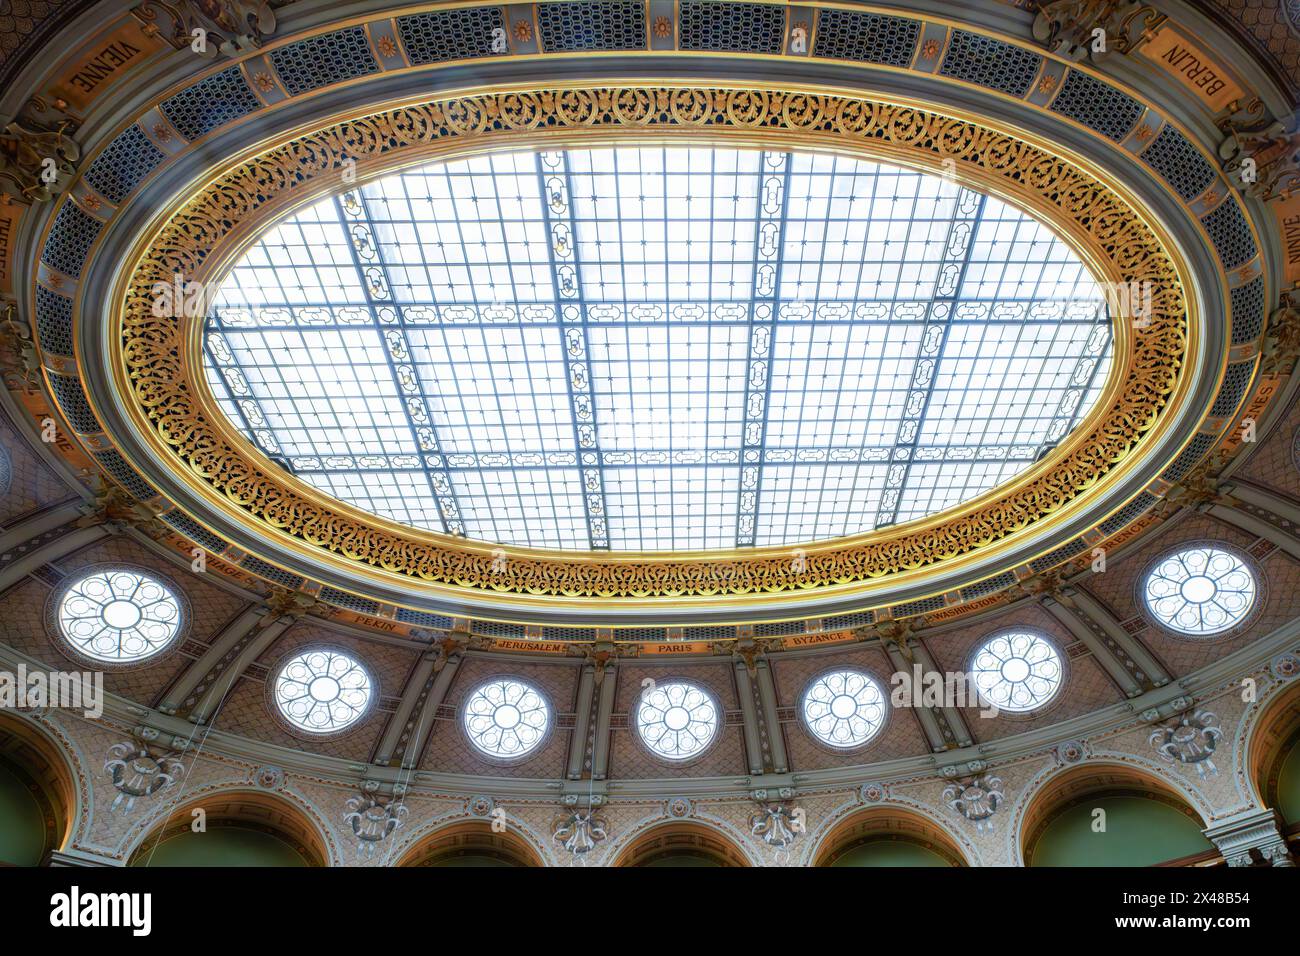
1189,739
136,772
778,825
178,416
580,831
373,819
976,799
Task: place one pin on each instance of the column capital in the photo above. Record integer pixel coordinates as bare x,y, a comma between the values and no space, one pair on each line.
1244,836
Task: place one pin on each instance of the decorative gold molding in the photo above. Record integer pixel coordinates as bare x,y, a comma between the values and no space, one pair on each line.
161,372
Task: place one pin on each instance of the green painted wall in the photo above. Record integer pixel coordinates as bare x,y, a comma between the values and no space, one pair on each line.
1288,785
22,827
221,846
890,853
1139,832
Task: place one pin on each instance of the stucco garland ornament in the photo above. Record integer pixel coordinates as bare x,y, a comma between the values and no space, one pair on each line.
873,792
1285,666
580,831
778,825
680,807
136,773
1189,739
373,819
1071,751
269,778
977,800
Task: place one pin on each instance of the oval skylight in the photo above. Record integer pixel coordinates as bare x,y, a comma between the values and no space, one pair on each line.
657,348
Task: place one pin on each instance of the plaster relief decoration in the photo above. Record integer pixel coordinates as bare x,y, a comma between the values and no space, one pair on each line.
137,772
1071,751
1078,29
1189,739
372,819
35,163
873,792
580,831
228,26
680,807
977,800
1285,666
1258,153
269,778
19,358
778,825
480,805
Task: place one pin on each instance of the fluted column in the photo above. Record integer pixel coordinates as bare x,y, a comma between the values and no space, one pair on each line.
227,639
425,715
604,715
767,695
581,721
33,526
230,667
749,717
929,722
51,545
413,694
1253,524
1101,653
1097,612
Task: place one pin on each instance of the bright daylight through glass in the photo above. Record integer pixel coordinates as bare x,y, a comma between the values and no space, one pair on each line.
653,349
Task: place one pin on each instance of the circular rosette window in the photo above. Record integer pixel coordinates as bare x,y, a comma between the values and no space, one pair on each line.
506,718
677,720
323,691
1200,591
118,616
844,708
1018,671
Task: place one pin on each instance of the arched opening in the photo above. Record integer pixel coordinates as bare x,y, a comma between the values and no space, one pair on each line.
888,836
1113,816
36,795
1274,756
233,829
682,845
471,843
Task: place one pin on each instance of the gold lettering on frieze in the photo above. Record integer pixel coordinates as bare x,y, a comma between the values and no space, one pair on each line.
536,647
812,640
948,613
10,214
101,62
153,347
1191,67
675,647
378,623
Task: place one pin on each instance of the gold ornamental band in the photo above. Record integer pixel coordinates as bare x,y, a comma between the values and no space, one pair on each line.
160,368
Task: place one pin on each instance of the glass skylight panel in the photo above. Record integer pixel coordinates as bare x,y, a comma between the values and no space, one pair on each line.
542,507
510,387
589,348
669,387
